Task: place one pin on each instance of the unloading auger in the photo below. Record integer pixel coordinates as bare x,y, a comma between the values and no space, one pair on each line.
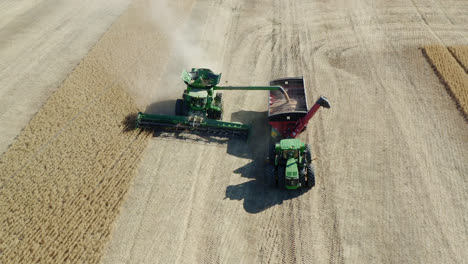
201,107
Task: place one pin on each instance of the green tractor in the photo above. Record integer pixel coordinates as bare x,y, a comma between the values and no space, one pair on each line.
293,164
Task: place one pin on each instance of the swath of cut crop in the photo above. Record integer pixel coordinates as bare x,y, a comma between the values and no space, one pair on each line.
451,73
62,181
461,55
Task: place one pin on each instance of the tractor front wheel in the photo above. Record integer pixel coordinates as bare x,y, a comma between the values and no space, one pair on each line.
308,153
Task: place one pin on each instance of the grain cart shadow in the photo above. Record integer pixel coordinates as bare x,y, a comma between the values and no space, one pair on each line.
259,193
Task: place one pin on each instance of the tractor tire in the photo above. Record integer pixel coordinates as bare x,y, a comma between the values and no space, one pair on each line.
308,153
310,176
302,179
179,107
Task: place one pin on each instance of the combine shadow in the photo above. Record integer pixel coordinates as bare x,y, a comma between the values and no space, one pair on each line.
166,107
129,123
260,193
163,107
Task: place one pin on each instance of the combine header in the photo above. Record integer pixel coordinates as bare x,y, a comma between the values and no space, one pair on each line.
201,107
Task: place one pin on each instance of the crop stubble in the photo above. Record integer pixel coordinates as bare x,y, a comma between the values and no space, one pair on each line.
66,174
461,55
451,66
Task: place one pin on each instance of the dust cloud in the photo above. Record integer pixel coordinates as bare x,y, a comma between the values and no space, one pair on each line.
183,35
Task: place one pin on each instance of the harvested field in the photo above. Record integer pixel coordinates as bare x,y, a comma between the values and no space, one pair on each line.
65,176
452,73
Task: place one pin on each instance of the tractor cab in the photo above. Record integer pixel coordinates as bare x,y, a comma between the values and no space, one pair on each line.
290,161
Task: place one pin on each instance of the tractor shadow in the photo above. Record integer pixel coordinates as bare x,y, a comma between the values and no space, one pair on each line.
260,192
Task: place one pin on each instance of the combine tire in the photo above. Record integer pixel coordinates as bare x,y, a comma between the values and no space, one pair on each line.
179,107
310,176
308,153
219,97
214,114
221,112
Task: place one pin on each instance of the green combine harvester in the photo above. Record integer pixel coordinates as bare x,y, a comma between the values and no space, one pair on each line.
201,107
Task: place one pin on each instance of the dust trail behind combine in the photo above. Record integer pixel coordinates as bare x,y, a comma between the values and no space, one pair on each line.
182,42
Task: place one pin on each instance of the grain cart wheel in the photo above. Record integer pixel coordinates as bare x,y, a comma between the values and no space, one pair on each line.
179,107
219,97
310,176
308,153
